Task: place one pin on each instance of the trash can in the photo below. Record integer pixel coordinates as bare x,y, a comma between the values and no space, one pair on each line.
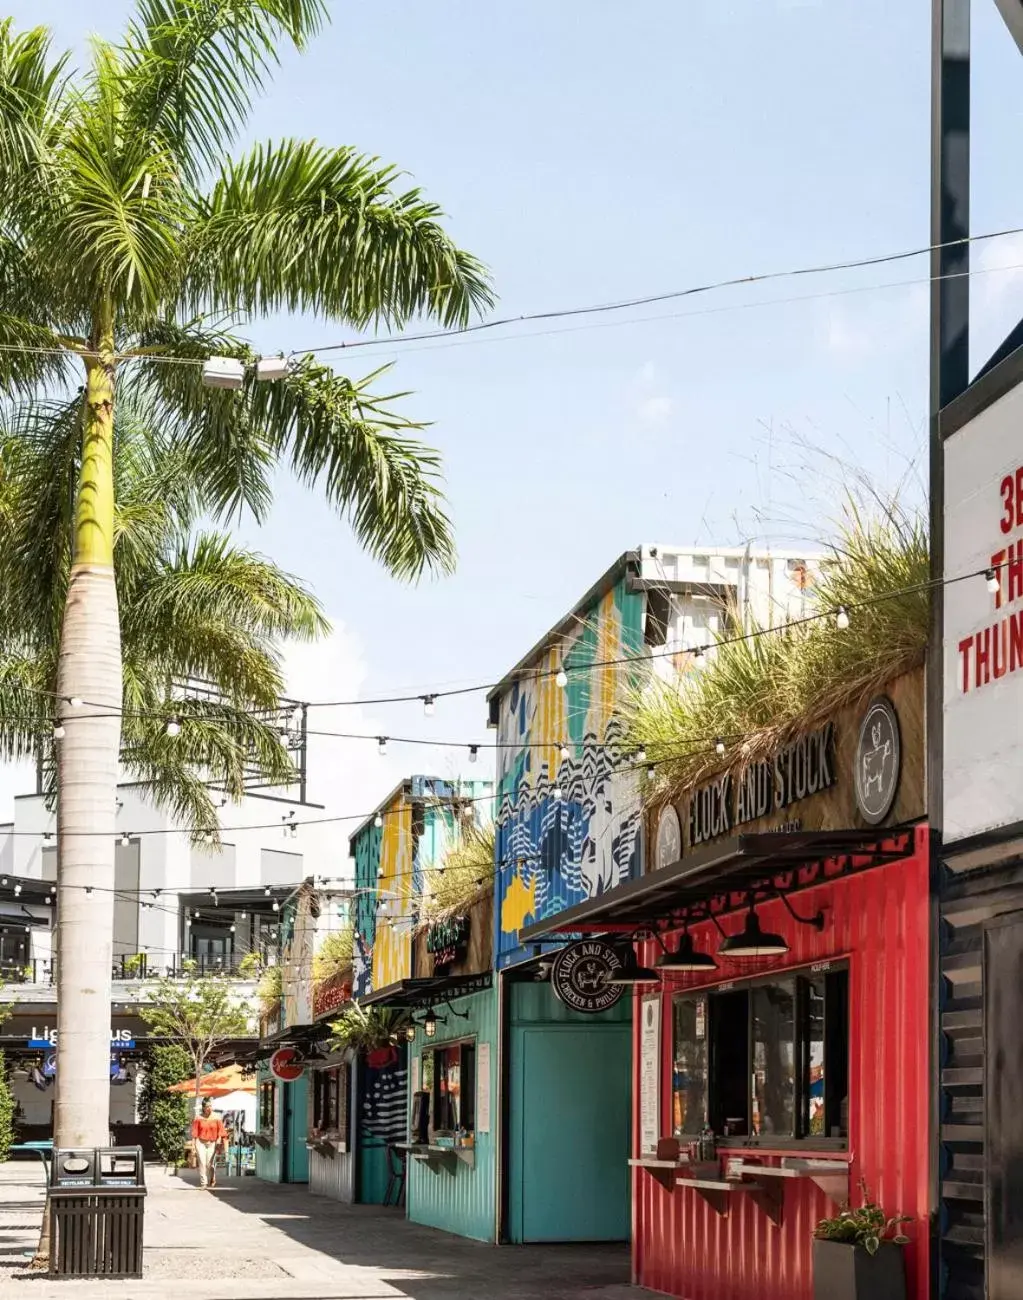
97,1203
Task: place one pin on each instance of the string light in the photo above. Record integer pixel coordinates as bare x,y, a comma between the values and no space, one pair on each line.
641,754
58,731
473,753
700,658
841,618
563,753
378,821
993,583
277,906
719,746
429,705
125,841
561,678
651,772
173,727
75,701
556,794
382,746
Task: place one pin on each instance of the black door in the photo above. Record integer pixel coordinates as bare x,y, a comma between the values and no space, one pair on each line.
1003,1111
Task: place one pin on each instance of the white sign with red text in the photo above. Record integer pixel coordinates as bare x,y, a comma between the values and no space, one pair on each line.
983,629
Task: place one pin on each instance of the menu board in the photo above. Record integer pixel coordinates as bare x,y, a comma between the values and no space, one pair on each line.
483,1088
649,1075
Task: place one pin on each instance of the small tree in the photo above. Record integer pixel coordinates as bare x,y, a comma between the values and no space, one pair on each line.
167,1112
198,1013
6,1111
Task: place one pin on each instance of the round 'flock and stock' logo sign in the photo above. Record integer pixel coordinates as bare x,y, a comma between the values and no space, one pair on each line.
878,761
580,973
669,837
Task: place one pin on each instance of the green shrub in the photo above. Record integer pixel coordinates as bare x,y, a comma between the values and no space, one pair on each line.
167,1112
6,1111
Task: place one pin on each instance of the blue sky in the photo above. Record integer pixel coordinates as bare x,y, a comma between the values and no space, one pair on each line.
590,150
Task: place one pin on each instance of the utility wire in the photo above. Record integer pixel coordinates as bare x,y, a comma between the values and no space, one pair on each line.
177,709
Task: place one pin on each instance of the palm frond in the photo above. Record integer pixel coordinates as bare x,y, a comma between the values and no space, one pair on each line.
302,227
194,66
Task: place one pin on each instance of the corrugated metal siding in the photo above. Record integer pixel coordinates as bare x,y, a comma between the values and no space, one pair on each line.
880,920
336,1177
268,1159
967,901
462,1203
554,853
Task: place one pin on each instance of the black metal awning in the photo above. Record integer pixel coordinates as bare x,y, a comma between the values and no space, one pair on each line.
425,992
754,866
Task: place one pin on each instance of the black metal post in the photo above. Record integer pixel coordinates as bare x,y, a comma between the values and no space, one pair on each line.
949,377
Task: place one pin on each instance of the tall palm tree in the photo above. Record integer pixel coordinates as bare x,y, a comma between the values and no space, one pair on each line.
191,605
125,243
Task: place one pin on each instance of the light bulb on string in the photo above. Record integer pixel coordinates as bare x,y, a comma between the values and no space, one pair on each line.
651,772
993,583
474,751
173,727
641,754
556,794
382,746
277,906
58,731
561,678
125,841
841,618
75,701
429,705
563,752
378,821
700,658
719,746
266,892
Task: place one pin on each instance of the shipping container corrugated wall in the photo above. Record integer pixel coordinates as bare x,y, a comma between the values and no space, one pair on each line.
335,1176
879,920
569,1081
269,1159
970,900
462,1202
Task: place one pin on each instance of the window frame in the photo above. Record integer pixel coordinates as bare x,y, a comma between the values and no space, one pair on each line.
802,976
466,1042
330,1103
267,1113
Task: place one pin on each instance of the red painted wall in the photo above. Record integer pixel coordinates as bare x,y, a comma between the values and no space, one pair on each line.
879,920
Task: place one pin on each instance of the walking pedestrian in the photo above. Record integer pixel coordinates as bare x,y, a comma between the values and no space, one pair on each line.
208,1133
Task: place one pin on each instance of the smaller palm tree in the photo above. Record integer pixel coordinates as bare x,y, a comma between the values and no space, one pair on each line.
192,605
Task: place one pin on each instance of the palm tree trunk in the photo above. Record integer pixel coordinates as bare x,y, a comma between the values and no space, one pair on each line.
89,671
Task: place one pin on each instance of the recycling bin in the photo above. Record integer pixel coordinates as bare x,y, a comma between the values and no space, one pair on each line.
97,1203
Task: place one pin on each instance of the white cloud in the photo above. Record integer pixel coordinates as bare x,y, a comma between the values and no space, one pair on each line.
655,410
346,776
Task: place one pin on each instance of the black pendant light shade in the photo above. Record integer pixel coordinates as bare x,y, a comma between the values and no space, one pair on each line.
632,973
686,957
751,941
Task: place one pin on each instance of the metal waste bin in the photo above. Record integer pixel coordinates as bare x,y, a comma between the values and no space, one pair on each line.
97,1203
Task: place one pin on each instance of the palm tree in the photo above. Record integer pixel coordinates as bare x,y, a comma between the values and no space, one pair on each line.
191,605
126,242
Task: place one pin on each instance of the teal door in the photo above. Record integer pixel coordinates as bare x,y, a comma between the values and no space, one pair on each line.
570,1123
296,1155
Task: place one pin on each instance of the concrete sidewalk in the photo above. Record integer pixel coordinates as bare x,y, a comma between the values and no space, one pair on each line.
268,1242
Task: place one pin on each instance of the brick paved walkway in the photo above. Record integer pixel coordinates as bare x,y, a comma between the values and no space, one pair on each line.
266,1242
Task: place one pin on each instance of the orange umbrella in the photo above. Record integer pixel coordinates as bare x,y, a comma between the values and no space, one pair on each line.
218,1083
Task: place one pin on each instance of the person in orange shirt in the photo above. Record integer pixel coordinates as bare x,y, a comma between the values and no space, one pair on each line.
208,1133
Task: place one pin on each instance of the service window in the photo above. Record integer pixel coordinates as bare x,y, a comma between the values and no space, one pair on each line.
326,1089
767,1059
689,1066
449,1076
267,1106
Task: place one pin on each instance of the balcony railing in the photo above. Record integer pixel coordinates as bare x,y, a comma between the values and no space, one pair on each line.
131,966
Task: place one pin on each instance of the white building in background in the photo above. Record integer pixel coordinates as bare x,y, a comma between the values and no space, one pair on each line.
174,901
695,595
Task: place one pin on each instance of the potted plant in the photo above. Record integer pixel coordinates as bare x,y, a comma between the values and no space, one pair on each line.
858,1254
